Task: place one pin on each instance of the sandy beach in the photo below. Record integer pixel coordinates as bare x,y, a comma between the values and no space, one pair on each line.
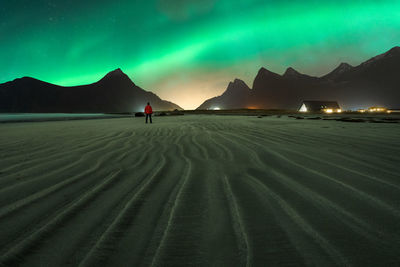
200,190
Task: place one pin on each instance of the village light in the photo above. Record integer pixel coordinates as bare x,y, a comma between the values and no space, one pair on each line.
377,109
339,111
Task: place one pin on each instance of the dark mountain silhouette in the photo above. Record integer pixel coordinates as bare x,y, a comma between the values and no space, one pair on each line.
291,73
374,82
236,94
114,93
342,68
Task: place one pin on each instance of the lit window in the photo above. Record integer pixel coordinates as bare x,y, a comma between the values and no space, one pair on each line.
303,108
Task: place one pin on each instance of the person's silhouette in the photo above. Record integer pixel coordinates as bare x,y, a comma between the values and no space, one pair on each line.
148,111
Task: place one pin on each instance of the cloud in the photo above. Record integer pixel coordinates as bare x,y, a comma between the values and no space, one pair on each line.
184,9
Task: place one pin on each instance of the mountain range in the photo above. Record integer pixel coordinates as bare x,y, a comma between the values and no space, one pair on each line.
114,93
375,82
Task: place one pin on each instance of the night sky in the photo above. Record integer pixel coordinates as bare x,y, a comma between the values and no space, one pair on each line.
188,50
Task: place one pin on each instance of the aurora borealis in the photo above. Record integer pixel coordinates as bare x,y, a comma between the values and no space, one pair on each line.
188,51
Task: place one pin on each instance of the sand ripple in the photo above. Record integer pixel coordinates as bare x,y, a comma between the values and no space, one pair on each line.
199,191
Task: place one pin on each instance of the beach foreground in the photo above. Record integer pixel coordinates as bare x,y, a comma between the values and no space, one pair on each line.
200,190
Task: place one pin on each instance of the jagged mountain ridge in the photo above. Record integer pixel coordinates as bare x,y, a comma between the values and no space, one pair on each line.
114,93
374,82
342,68
236,94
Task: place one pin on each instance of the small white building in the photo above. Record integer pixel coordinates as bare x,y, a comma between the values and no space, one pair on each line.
320,106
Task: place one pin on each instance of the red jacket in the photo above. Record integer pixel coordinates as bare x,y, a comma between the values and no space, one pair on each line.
148,109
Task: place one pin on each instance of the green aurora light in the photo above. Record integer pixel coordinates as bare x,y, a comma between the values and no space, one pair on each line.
187,51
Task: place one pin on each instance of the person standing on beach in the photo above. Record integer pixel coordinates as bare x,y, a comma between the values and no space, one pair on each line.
148,111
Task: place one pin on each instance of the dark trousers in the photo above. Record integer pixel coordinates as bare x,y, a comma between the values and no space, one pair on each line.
148,116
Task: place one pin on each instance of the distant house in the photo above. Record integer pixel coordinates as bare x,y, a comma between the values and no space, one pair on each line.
320,106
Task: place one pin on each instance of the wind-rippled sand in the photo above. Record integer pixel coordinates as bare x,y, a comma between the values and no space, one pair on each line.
200,190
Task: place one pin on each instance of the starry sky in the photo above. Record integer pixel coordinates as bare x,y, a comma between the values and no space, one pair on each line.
187,51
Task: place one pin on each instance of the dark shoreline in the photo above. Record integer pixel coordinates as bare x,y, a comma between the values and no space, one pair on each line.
67,117
345,116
